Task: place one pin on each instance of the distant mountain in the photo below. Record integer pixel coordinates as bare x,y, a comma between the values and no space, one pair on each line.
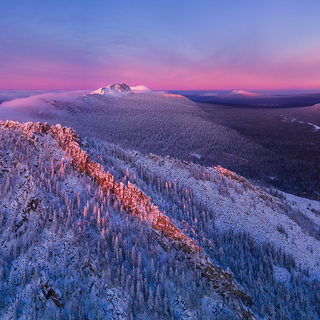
243,93
240,98
114,89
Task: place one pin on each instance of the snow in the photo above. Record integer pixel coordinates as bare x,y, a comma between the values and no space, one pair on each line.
285,119
282,274
115,89
194,154
241,209
310,208
244,93
246,211
140,89
59,272
316,128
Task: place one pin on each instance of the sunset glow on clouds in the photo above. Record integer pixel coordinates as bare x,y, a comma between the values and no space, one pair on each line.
167,45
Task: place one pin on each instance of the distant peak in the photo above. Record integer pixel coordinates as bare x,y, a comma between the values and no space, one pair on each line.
244,93
114,89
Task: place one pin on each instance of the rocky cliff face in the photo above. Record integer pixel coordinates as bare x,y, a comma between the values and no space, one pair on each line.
65,207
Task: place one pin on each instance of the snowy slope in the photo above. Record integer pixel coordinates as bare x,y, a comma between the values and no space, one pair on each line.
78,243
236,223
262,236
245,208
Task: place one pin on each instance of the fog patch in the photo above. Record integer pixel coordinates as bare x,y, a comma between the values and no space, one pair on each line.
7,95
37,106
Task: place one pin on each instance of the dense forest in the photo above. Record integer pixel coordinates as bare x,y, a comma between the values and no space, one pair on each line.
92,229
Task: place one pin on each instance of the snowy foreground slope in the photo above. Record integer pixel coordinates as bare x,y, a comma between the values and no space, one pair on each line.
238,225
91,231
78,243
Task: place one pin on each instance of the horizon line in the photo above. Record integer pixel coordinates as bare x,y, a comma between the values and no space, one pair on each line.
238,89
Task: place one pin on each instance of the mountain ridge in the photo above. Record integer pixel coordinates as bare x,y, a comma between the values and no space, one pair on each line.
130,199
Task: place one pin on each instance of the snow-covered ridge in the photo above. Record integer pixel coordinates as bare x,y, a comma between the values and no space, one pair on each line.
96,211
135,202
246,208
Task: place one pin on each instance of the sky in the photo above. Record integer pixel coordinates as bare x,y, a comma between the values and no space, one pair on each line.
164,45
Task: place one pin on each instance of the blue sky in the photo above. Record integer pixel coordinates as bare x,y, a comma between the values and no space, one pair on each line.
210,45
